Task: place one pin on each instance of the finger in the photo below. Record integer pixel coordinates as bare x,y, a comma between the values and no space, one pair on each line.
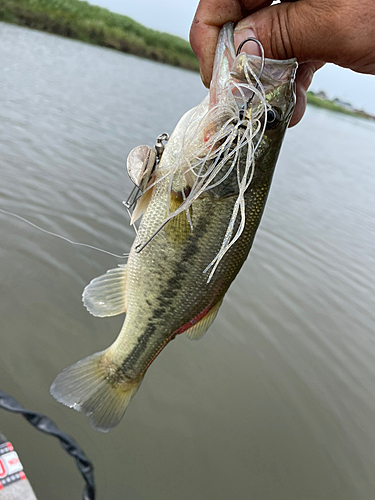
302,29
304,78
204,32
249,47
210,16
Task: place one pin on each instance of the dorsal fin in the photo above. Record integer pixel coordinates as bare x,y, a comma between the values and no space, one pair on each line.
141,205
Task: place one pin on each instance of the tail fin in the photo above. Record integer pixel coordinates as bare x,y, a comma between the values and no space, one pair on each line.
94,387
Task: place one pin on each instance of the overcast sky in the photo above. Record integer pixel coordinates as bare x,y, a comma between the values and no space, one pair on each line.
175,16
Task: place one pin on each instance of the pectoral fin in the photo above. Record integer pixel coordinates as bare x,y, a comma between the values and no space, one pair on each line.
197,331
105,295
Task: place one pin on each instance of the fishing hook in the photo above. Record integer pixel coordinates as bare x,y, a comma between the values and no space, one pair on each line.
251,39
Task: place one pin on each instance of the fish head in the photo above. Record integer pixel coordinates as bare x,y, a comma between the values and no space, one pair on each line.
232,139
260,91
271,108
264,91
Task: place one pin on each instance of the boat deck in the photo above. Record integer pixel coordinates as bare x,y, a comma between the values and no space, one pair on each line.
14,484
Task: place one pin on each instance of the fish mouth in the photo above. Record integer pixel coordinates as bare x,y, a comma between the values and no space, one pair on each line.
281,62
275,72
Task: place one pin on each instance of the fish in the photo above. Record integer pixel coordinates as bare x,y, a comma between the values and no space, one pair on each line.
201,206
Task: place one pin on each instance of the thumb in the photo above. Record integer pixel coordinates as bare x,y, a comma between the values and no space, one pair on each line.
285,30
300,29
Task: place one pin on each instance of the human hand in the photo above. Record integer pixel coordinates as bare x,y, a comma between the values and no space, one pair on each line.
313,31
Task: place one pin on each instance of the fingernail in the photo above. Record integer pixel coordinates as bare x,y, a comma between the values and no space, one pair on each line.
251,48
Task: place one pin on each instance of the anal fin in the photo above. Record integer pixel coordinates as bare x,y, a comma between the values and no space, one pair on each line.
197,331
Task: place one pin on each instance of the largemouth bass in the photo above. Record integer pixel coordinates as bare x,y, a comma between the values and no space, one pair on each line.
202,207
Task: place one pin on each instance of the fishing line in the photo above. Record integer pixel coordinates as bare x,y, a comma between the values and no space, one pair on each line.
124,256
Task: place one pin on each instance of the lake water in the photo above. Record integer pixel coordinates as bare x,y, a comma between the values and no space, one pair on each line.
277,401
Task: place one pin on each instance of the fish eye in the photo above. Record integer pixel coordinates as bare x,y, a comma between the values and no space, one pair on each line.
273,118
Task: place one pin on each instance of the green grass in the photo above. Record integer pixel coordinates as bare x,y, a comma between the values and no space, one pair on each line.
80,20
327,104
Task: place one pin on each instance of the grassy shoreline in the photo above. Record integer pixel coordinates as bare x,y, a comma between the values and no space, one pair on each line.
314,100
80,20
89,23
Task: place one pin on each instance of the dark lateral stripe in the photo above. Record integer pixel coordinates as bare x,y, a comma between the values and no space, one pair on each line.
181,269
